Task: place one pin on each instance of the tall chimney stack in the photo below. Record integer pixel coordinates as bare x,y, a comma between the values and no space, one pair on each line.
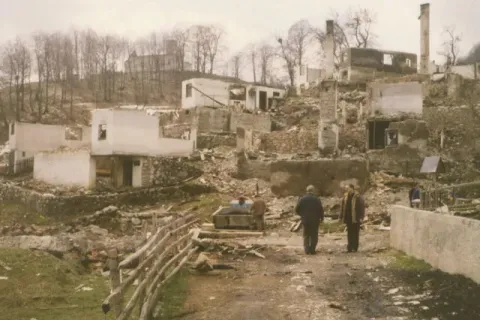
424,38
329,47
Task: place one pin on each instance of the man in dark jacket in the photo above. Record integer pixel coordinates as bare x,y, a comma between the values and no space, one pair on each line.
352,214
310,209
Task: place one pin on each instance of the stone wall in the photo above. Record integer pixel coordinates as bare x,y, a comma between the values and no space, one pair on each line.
290,142
255,122
210,141
213,120
48,204
247,169
448,243
166,171
292,177
400,160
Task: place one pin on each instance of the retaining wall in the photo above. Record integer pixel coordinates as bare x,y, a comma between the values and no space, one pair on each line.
446,242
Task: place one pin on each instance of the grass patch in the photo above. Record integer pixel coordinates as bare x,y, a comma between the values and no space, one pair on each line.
173,296
403,262
205,204
12,213
38,285
332,227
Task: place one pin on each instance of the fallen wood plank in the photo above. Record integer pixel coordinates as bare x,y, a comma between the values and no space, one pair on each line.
148,245
208,226
229,234
152,296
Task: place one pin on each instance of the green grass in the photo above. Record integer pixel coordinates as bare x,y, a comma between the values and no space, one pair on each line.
205,204
403,262
173,297
41,286
12,213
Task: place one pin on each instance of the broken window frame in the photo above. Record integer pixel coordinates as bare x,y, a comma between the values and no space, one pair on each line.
12,129
73,133
237,97
388,59
102,132
188,90
276,94
391,143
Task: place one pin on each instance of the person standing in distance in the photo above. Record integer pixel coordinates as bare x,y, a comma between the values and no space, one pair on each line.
310,210
352,214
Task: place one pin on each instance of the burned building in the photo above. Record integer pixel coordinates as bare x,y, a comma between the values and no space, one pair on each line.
364,64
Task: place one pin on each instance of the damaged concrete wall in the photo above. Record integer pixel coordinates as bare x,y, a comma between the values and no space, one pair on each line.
169,171
29,138
247,169
68,168
411,132
292,177
210,141
255,122
392,99
400,160
446,242
289,142
244,140
213,120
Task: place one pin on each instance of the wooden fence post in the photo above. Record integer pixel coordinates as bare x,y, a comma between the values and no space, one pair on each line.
115,280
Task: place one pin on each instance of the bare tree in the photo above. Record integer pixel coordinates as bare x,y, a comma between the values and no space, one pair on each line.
237,63
288,55
253,54
359,24
298,36
450,46
265,53
214,37
181,36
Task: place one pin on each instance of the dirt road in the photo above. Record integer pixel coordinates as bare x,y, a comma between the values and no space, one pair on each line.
330,285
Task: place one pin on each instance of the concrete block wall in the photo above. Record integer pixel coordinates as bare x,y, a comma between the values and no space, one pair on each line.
256,122
290,142
448,243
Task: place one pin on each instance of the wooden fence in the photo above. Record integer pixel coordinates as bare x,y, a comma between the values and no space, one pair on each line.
158,260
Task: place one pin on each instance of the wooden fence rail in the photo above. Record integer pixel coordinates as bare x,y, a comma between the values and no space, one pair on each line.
158,260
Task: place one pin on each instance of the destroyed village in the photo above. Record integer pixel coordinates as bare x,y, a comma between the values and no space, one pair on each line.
324,167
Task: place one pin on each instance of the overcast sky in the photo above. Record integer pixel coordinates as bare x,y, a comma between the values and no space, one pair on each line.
245,21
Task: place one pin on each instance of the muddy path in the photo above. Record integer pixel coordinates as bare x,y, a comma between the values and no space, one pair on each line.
330,285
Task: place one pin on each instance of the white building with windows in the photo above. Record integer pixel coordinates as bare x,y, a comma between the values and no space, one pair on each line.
203,92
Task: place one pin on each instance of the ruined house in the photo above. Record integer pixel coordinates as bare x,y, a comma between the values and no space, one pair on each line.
364,64
128,146
200,92
396,133
305,76
27,139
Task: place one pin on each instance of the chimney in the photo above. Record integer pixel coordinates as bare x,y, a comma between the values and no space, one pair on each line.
329,47
424,38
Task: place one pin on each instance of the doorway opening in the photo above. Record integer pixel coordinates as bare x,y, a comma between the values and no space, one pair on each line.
127,172
262,100
376,134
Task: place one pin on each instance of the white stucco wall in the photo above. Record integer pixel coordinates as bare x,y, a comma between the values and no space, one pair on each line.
33,137
72,168
396,98
467,71
448,243
134,132
219,90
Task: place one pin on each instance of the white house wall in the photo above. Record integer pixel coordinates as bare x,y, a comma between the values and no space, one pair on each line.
73,168
219,90
467,71
396,98
32,137
133,132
